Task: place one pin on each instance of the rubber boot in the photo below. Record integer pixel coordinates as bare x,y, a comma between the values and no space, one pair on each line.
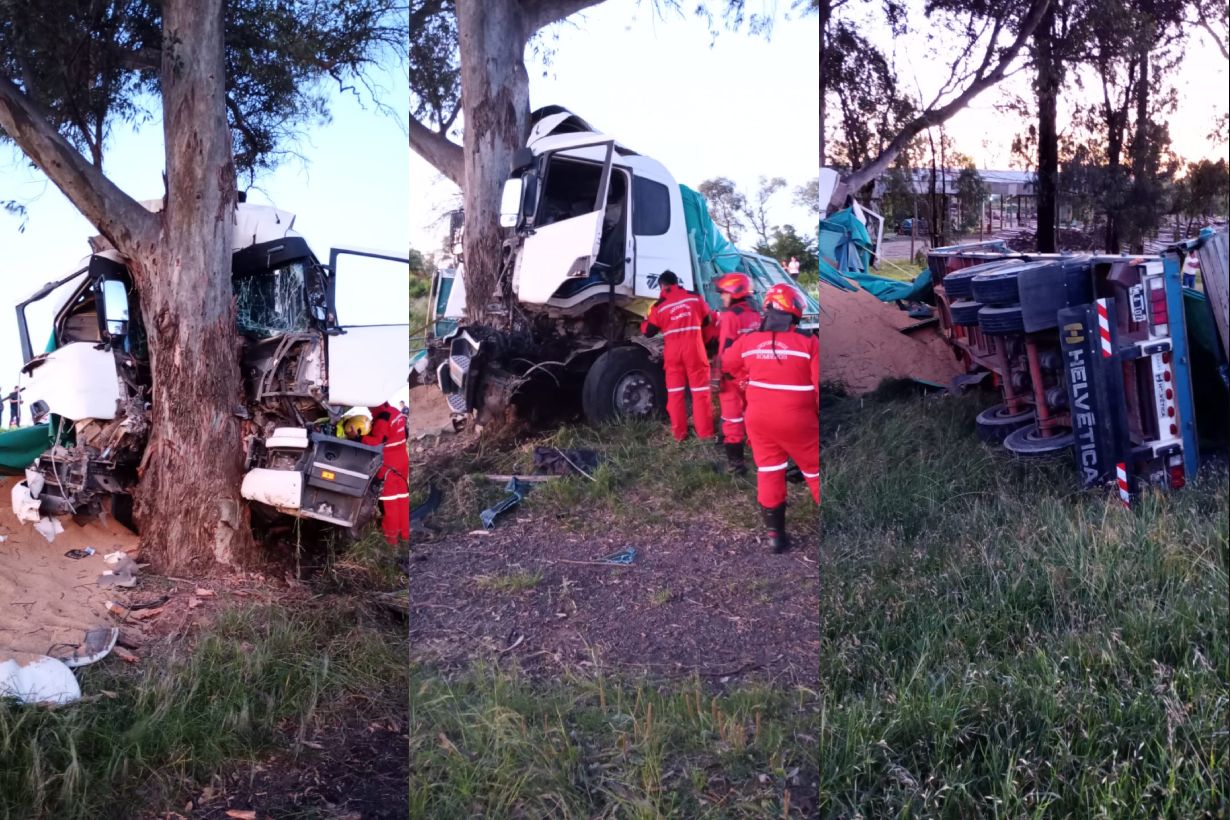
794,475
734,459
775,521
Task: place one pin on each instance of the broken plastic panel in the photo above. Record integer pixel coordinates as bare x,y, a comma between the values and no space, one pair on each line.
516,491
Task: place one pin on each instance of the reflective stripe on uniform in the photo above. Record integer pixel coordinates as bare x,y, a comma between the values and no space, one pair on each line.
681,329
394,497
704,389
675,389
732,421
395,443
809,475
774,468
770,352
801,388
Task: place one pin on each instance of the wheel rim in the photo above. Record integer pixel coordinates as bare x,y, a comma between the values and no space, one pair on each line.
633,395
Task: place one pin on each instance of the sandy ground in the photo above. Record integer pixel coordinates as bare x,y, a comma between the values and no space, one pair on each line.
862,343
429,413
46,598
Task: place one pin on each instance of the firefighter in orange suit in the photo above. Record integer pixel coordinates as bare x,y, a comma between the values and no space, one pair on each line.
681,317
780,367
388,430
738,317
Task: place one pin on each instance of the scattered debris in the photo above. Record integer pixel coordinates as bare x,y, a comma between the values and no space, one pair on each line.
201,592
555,461
241,814
126,656
49,528
110,578
155,602
78,554
98,643
623,557
115,557
527,479
516,492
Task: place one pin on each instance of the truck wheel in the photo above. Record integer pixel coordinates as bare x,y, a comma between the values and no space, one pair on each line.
1001,321
995,423
623,382
1027,442
965,312
997,287
957,283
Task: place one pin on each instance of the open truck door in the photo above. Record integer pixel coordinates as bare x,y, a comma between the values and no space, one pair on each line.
561,249
369,352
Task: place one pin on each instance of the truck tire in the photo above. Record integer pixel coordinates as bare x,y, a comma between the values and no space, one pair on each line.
957,283
996,287
995,423
623,382
1027,442
965,312
1001,321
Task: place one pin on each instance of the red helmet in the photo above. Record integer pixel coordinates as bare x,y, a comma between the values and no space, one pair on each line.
786,299
738,285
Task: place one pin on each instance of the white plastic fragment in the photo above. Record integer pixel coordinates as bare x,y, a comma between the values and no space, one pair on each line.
43,680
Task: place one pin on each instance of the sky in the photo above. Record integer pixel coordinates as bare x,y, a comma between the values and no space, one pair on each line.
350,190
738,105
985,134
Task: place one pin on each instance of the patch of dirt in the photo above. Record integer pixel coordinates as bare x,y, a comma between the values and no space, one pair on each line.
45,597
429,412
698,599
359,772
862,342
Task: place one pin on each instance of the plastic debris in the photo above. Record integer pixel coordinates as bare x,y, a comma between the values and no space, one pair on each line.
42,680
516,491
556,461
97,644
78,554
49,528
622,558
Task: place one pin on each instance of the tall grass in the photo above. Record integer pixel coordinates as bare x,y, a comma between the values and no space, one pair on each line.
260,678
488,744
995,643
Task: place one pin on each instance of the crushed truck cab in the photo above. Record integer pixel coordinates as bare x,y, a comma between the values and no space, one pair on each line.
590,227
301,367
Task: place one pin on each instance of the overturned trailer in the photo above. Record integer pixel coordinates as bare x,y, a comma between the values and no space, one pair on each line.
302,369
591,225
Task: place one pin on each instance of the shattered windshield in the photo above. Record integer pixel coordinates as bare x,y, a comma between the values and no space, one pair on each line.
268,304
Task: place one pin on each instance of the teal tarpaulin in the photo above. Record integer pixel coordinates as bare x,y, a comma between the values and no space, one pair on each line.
712,248
845,261
21,447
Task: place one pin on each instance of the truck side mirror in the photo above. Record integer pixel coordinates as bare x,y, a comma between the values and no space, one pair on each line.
114,308
510,202
529,196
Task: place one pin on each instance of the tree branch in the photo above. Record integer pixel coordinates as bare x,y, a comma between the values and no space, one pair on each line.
539,14
445,155
114,213
936,116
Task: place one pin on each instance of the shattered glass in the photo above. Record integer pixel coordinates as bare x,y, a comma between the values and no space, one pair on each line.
272,303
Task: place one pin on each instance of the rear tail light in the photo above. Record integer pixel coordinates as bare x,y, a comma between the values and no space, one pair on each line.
1157,303
1177,479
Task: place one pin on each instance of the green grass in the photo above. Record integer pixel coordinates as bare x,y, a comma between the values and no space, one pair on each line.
995,643
259,679
487,743
904,270
513,582
645,480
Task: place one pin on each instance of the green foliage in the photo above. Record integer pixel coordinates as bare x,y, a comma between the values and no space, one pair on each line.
973,194
786,242
991,636
92,64
257,679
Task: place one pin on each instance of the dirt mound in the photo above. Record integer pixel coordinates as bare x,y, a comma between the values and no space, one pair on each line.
429,412
45,597
862,343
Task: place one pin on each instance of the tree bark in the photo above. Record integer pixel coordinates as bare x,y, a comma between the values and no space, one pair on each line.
1048,135
496,105
188,503
446,156
826,13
